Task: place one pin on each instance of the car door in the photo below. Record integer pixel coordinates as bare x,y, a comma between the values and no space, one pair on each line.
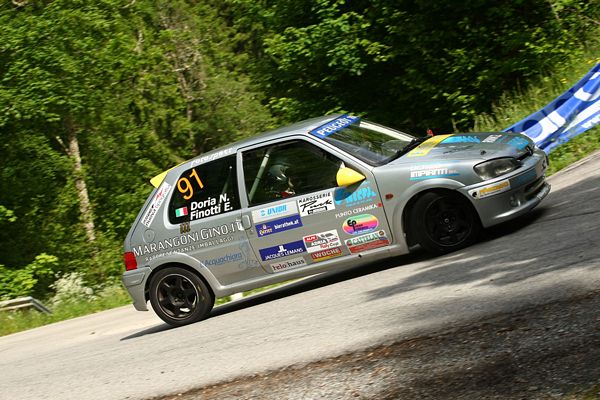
296,214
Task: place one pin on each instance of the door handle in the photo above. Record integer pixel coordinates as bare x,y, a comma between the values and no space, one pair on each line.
245,222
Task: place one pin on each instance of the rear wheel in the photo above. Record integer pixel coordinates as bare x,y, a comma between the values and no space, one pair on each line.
442,222
179,297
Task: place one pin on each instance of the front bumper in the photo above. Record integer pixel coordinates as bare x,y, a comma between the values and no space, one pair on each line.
135,283
512,195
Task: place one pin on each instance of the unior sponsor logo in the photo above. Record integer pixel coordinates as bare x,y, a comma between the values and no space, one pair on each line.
289,264
280,210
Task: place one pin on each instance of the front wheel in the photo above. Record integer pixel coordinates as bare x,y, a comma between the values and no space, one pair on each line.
443,222
179,297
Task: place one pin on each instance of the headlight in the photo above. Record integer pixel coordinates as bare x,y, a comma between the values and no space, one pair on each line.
494,168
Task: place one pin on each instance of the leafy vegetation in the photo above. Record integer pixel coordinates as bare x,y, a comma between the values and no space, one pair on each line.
98,96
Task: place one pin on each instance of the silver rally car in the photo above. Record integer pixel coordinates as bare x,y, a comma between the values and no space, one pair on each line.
325,193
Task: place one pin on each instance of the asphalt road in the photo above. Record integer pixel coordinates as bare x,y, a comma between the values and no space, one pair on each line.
551,254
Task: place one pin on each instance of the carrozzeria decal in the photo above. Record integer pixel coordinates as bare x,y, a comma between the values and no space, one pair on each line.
159,198
490,190
424,148
430,171
316,204
288,264
331,127
367,242
358,210
350,198
360,224
282,250
321,241
278,225
280,210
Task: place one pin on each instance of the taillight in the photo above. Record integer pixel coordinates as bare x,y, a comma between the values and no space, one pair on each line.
130,261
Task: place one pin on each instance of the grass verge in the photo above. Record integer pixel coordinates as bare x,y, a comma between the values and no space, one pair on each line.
17,321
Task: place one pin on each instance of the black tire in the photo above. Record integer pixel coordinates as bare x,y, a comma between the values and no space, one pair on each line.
179,297
442,222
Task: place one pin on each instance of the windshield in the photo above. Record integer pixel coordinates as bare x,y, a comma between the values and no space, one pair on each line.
372,143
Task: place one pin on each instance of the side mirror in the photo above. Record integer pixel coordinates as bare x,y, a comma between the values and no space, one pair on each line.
347,176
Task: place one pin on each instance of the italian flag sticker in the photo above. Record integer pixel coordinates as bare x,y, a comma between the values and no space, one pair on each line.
180,212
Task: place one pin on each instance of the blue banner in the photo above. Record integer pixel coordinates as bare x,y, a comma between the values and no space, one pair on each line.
570,114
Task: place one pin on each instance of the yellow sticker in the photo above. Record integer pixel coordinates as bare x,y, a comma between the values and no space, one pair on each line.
424,148
502,186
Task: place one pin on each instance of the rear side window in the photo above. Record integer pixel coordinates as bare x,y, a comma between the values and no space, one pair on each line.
204,191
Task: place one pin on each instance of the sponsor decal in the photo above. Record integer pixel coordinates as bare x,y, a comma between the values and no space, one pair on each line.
462,139
278,225
282,250
181,212
424,148
491,138
226,259
321,241
211,157
210,206
280,210
518,142
288,264
205,237
358,210
360,224
326,254
185,227
159,198
350,198
316,204
490,190
430,171
331,127
367,242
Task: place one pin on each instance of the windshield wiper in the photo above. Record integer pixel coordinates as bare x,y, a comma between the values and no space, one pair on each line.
411,145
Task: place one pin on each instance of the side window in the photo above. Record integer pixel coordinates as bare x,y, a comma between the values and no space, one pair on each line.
288,169
205,190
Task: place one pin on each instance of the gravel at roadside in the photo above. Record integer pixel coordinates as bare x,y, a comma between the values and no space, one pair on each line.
549,351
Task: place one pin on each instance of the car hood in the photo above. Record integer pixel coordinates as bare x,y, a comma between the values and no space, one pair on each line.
482,146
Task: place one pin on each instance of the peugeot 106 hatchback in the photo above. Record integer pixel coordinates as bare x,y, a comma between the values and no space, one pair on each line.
325,193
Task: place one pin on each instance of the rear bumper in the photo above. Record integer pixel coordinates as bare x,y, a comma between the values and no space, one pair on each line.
135,283
515,194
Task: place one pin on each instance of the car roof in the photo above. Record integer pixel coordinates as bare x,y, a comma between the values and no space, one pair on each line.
299,128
